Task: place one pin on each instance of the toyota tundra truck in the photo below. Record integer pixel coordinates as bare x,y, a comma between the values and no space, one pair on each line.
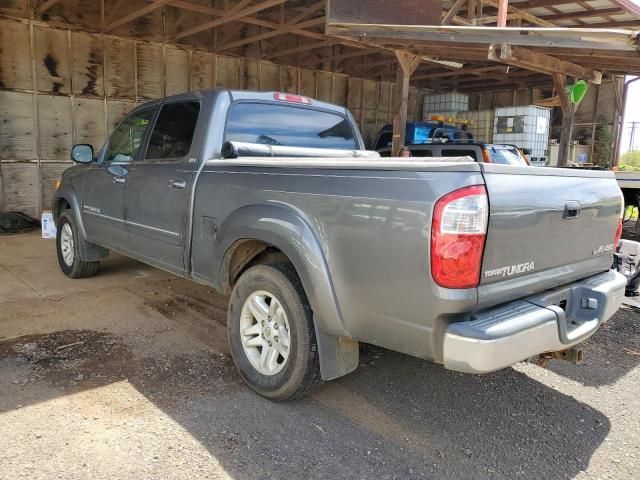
270,198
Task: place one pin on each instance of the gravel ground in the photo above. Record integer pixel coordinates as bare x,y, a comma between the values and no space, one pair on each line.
128,376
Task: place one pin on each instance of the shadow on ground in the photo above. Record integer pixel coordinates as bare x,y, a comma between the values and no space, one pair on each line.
395,417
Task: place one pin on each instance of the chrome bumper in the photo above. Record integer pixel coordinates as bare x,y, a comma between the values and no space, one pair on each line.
551,321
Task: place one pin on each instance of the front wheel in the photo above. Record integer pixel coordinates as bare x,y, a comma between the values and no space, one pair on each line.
67,245
271,333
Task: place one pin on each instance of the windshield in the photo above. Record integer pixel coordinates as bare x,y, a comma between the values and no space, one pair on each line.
505,155
288,125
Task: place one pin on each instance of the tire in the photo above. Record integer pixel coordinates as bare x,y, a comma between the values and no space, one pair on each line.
67,245
289,378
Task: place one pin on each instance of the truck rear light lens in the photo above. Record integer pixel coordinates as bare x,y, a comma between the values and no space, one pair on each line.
289,97
458,233
618,236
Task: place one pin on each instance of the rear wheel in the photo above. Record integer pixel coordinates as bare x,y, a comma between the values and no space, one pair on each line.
67,244
271,333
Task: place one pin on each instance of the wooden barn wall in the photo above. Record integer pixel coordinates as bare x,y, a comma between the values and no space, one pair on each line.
59,87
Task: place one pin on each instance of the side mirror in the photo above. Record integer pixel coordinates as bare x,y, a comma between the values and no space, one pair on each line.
82,153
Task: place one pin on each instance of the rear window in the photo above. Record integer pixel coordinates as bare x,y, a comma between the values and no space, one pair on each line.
384,140
459,153
505,155
289,126
419,152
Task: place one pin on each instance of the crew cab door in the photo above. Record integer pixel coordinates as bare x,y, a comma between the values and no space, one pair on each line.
159,186
103,189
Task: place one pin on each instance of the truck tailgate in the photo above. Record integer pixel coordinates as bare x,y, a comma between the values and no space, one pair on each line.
547,227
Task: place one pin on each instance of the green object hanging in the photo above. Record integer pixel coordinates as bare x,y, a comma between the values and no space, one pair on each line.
577,91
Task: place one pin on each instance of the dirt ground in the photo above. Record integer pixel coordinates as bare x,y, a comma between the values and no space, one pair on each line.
128,376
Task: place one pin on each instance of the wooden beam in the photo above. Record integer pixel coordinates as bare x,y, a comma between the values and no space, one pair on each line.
44,7
521,13
287,27
540,62
462,71
635,24
560,82
503,6
294,28
583,14
303,48
138,13
407,64
230,17
453,11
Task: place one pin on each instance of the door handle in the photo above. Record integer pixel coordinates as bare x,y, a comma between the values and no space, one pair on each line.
177,184
119,180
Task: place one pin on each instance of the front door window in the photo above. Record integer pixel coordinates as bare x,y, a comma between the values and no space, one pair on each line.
127,139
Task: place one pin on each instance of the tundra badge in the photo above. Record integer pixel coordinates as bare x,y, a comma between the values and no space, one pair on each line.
510,270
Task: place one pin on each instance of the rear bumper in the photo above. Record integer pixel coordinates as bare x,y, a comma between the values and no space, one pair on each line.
551,321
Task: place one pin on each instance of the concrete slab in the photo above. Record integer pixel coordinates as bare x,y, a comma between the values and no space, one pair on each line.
32,261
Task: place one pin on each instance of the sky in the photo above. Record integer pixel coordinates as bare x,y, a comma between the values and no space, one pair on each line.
632,115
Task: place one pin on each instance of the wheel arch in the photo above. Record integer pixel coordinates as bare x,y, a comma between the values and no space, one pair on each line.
255,230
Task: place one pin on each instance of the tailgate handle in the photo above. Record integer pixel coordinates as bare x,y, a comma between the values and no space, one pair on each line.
572,209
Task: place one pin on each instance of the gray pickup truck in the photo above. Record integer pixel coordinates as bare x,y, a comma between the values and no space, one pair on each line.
270,198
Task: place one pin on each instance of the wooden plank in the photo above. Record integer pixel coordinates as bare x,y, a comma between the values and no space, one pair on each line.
120,66
116,110
87,55
229,18
521,13
249,73
578,38
149,70
16,8
340,93
407,64
21,188
458,4
50,172
17,133
138,13
227,72
289,79
55,127
90,122
400,12
202,70
52,60
287,28
307,83
44,7
539,62
324,85
269,77
15,71
176,70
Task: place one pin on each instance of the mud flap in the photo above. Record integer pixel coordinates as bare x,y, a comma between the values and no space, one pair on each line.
338,355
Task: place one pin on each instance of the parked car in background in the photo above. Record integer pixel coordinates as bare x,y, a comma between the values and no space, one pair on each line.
422,133
271,199
478,151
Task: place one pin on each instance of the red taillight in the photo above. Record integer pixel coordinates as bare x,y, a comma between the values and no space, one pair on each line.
289,97
618,236
458,232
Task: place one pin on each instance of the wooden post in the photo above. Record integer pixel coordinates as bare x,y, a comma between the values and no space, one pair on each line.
407,64
503,6
560,82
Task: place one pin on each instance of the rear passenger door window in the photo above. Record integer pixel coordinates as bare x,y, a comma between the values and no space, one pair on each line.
421,153
173,131
448,152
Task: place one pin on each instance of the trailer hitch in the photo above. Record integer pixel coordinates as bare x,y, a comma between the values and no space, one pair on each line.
574,355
